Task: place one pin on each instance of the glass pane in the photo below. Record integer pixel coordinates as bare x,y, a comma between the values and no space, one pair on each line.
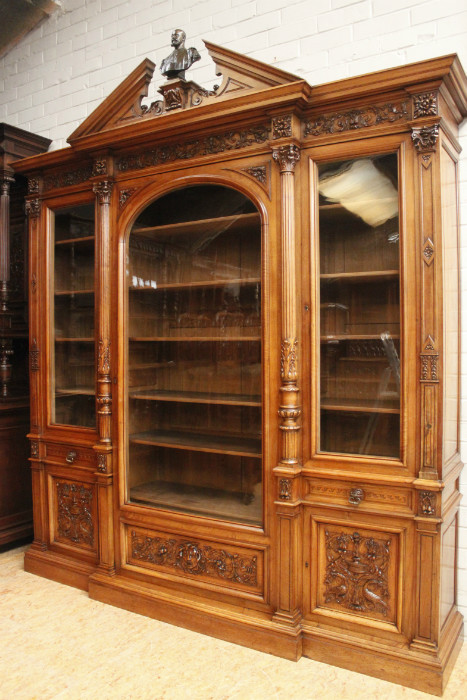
359,307
194,355
73,384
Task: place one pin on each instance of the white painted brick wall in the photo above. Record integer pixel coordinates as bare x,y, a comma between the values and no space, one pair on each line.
66,66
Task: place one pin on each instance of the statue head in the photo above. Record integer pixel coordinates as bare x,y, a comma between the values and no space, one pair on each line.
178,38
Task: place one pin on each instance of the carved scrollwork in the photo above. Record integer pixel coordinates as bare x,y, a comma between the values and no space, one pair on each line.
103,190
33,208
425,105
425,138
427,503
68,178
34,356
285,489
287,157
74,519
195,558
357,572
258,172
282,127
356,119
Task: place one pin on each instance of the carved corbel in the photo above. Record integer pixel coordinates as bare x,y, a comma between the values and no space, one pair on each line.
425,138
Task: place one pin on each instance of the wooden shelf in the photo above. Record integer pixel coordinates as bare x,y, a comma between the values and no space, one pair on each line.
241,281
74,340
197,397
76,391
204,226
196,339
196,442
345,336
69,292
68,241
363,276
361,406
202,501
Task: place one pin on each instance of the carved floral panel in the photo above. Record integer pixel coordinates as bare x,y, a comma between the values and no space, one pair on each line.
75,513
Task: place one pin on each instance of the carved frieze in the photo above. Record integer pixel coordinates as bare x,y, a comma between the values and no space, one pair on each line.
429,361
103,190
425,105
427,503
285,489
74,518
282,127
356,119
210,145
357,572
33,208
67,178
194,558
287,157
425,138
289,371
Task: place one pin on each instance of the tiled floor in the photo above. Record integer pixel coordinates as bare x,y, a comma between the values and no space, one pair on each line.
57,643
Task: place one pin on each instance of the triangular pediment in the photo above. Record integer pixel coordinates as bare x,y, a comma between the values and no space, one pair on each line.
240,74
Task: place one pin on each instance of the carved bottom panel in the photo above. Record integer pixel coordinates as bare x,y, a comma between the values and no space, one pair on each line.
74,517
229,566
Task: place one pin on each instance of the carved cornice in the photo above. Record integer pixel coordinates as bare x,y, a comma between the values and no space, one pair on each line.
186,150
191,557
287,157
425,105
56,180
425,138
33,208
103,190
282,127
74,519
356,119
357,572
427,503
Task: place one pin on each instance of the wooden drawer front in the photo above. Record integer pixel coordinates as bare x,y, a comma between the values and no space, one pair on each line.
71,455
356,571
73,513
232,567
390,499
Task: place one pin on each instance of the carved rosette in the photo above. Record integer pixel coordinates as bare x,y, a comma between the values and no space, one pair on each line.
285,489
427,503
425,138
287,157
356,119
357,572
428,251
103,191
194,558
429,361
74,519
99,167
33,208
34,356
282,127
425,105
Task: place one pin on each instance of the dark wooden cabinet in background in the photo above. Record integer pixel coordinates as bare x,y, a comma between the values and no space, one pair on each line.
244,347
15,475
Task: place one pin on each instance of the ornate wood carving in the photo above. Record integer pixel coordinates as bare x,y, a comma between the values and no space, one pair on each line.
427,503
74,519
103,190
56,180
428,251
287,157
356,119
357,572
34,449
34,356
429,361
102,462
282,127
216,143
289,372
259,172
33,185
285,489
103,356
33,208
99,167
425,138
125,196
195,558
425,105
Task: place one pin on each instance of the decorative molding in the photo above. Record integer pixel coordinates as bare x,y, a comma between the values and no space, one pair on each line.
34,356
34,449
282,127
99,167
427,503
102,462
289,363
53,181
290,416
425,105
33,185
259,172
429,361
428,251
425,138
210,145
287,157
74,519
33,208
356,119
103,190
125,195
285,489
104,404
357,572
195,559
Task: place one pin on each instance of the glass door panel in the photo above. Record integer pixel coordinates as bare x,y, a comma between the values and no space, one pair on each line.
359,307
72,301
194,355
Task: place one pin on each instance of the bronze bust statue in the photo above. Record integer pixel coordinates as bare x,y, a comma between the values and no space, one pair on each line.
175,65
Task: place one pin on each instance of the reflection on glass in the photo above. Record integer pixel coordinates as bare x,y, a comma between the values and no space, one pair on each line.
194,355
73,388
359,307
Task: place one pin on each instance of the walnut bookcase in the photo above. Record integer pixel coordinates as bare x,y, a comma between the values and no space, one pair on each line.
244,349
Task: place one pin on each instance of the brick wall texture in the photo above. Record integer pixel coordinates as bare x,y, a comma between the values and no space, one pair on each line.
62,70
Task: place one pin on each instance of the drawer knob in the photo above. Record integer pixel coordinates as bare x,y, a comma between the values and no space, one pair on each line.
356,496
71,456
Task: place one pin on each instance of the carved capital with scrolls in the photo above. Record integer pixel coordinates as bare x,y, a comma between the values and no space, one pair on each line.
287,157
103,191
425,138
425,105
282,127
33,208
